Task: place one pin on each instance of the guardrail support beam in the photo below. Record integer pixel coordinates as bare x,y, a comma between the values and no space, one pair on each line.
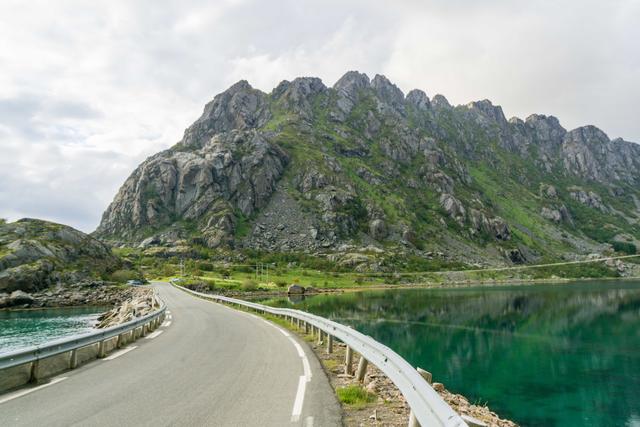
348,362
413,422
73,359
35,372
329,343
101,349
120,341
320,334
362,369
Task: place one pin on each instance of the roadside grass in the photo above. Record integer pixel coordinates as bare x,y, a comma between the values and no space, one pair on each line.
355,395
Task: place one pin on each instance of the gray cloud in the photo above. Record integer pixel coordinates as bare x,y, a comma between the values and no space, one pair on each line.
88,90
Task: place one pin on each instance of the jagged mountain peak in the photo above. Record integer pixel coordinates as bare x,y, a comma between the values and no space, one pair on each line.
313,168
352,80
419,99
440,101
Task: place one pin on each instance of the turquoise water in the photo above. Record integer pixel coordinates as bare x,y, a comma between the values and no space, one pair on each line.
541,355
24,328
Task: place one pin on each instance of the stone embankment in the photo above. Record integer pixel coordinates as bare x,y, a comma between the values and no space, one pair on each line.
141,302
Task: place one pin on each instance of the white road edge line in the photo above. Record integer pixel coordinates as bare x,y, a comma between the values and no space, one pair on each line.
120,353
297,404
304,379
154,334
31,390
305,361
285,333
308,422
166,324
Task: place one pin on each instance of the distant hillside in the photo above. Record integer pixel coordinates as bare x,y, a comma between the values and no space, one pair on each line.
35,254
317,169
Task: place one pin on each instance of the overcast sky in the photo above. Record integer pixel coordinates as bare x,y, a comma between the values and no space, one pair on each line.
90,89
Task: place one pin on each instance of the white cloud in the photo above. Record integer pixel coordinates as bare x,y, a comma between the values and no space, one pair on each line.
88,90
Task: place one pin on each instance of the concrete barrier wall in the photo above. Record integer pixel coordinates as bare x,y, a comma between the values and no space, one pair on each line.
34,372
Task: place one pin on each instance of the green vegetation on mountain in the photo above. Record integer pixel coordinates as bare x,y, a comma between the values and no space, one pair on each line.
361,178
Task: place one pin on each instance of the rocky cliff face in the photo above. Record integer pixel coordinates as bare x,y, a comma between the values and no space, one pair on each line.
35,254
307,167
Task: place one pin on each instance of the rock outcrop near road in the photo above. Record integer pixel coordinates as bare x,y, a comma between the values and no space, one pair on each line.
35,254
311,167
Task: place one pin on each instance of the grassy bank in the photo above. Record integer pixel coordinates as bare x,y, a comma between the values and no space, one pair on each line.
249,276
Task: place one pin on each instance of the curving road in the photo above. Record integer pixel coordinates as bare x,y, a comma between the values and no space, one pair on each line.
207,365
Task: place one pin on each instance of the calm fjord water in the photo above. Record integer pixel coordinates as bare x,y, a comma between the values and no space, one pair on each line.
542,355
19,329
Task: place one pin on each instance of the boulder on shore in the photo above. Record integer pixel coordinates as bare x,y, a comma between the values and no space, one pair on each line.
295,290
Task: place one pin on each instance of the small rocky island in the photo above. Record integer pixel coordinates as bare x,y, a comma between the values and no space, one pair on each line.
44,264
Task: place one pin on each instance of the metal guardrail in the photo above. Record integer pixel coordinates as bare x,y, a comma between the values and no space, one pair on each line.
426,404
53,348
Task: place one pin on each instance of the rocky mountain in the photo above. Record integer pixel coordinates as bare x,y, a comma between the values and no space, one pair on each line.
318,169
35,254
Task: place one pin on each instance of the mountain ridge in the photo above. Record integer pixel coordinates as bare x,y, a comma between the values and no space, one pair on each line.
362,164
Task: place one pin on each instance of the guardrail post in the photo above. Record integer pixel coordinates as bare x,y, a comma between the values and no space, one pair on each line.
413,422
320,333
101,350
362,369
73,359
348,362
329,343
120,341
35,372
144,330
306,327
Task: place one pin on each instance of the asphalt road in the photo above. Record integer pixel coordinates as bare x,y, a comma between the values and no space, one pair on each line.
210,365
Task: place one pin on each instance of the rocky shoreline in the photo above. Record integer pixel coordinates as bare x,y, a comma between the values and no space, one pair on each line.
96,293
140,302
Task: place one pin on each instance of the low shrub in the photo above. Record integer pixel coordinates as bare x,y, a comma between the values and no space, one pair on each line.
249,285
124,275
624,247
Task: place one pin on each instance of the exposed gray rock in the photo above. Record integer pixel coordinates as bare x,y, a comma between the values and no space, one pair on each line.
295,290
36,254
298,95
453,207
439,101
234,171
20,298
419,100
587,198
378,229
559,214
388,93
348,89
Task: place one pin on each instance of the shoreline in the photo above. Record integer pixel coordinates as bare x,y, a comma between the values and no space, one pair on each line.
428,285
